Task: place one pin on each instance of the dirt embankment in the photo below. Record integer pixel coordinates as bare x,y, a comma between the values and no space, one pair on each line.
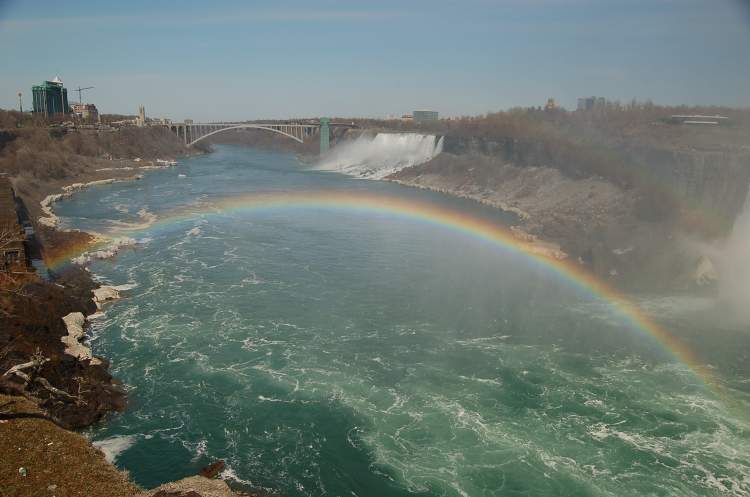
41,458
41,161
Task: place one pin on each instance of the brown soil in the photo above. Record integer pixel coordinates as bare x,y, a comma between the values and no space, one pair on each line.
57,462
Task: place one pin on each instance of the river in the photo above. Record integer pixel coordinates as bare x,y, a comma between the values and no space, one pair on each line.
321,350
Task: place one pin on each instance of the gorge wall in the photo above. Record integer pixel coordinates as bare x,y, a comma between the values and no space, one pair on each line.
639,215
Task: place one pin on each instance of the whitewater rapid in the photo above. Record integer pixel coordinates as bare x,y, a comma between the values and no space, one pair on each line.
375,157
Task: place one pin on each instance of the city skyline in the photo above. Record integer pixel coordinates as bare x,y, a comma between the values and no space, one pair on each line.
260,60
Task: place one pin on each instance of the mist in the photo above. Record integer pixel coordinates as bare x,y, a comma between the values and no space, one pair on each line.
734,268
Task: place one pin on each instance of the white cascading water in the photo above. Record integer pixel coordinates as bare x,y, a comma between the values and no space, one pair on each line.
385,153
734,266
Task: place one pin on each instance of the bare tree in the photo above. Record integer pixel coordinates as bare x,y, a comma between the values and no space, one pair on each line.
8,236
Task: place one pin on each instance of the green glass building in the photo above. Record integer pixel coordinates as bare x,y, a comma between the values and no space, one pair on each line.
50,98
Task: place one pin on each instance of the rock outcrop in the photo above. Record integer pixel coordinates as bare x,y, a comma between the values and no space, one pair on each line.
105,293
75,323
193,486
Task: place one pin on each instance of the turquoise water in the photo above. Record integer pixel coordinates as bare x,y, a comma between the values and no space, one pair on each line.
321,352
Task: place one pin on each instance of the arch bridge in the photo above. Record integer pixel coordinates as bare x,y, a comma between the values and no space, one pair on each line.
191,133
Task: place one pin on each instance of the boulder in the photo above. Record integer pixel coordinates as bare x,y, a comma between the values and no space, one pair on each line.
212,470
105,293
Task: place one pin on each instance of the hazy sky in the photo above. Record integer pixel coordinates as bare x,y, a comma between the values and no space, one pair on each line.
213,60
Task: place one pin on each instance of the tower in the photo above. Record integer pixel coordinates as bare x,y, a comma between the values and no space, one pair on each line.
20,103
324,134
140,121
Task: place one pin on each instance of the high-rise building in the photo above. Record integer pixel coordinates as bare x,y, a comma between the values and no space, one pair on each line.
592,103
50,98
421,116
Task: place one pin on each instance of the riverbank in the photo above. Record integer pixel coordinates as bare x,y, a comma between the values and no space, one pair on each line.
45,317
50,382
664,240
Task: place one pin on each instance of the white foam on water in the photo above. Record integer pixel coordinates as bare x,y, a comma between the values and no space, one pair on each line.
379,156
230,474
125,287
147,219
110,251
113,447
252,280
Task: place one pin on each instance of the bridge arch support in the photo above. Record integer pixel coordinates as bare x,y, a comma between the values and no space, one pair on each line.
294,131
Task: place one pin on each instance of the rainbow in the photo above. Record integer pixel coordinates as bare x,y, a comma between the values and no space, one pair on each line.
458,222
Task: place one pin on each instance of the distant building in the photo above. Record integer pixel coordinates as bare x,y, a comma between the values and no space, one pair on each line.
423,116
551,105
50,98
140,121
407,117
591,103
87,112
699,119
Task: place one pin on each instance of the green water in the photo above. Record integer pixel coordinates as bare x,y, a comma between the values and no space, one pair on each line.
321,352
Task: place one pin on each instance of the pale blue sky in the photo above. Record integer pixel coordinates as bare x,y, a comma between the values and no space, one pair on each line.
261,59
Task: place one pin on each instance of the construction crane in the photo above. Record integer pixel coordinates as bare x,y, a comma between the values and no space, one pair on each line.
79,90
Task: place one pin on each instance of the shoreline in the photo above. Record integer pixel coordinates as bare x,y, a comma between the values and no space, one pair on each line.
51,384
51,220
77,325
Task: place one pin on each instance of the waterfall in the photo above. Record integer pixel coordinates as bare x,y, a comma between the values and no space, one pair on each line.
385,153
734,266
